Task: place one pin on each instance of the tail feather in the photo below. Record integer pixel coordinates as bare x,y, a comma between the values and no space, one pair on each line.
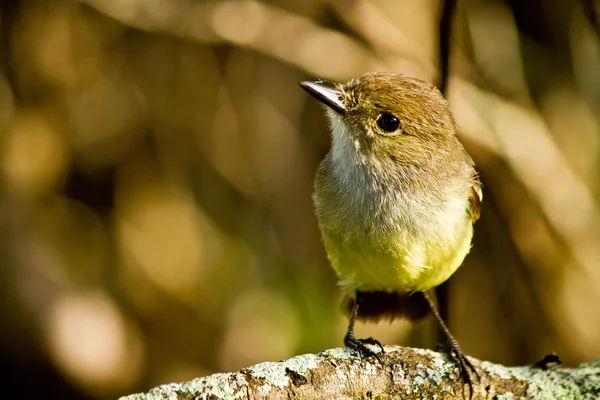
373,306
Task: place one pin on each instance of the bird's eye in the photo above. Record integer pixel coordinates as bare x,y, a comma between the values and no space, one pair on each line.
388,122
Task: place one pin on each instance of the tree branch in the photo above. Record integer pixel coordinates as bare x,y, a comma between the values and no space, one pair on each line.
406,373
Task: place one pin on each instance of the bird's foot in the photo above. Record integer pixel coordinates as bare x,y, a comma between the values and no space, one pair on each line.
466,369
359,345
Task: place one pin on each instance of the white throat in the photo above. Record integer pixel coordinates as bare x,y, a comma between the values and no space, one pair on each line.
345,150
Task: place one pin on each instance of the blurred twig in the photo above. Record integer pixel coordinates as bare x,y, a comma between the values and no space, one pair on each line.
590,13
9,10
406,373
445,41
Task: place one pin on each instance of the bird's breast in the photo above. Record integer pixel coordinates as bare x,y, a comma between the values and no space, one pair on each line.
386,237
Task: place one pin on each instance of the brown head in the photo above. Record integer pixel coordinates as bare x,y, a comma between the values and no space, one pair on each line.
388,120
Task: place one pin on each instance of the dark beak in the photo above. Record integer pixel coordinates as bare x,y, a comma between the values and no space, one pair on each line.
328,95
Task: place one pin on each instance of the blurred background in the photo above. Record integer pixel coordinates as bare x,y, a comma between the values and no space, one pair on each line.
156,169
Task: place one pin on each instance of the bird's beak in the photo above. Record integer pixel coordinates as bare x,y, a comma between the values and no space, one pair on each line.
328,95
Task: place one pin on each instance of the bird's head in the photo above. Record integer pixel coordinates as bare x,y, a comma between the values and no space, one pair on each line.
384,117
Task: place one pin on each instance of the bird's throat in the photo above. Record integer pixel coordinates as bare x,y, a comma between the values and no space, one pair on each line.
347,157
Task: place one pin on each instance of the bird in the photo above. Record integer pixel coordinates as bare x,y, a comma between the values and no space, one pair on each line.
396,198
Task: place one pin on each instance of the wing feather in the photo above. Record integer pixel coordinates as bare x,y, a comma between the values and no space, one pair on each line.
475,199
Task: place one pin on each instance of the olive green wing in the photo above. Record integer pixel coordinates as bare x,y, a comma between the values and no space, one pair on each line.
475,199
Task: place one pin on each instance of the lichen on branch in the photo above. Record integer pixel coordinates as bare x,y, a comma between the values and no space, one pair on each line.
405,373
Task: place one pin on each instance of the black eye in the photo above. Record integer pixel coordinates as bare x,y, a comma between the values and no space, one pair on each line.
388,122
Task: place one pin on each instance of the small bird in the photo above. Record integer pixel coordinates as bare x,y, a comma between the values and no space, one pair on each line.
395,198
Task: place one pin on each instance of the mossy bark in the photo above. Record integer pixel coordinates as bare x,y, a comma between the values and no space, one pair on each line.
405,373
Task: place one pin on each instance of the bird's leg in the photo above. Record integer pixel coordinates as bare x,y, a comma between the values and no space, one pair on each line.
359,344
454,350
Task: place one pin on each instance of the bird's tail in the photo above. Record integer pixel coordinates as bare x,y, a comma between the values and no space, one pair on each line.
373,306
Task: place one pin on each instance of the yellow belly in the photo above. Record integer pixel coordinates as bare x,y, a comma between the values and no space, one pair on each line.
400,262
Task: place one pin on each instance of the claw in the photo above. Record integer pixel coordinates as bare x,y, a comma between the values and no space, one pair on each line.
466,369
373,341
358,345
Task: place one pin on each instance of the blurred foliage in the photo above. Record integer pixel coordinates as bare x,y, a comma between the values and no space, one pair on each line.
156,171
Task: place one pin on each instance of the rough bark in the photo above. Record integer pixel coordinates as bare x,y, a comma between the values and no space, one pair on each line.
405,373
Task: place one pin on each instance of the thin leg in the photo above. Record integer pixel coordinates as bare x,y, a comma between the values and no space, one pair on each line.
359,344
455,352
